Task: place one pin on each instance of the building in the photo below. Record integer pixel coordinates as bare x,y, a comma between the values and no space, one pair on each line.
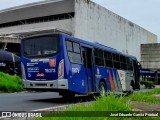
150,61
81,18
150,56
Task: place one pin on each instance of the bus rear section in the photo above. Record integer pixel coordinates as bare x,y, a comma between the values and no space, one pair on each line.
42,63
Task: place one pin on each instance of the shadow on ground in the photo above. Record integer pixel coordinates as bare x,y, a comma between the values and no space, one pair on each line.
60,100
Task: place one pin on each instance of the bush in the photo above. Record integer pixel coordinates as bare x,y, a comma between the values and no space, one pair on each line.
148,84
9,84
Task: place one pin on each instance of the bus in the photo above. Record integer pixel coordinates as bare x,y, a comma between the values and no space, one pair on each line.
147,74
150,75
61,63
9,63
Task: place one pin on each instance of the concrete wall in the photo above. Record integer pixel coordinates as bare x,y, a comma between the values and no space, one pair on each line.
66,25
150,56
91,22
95,23
8,39
62,25
39,9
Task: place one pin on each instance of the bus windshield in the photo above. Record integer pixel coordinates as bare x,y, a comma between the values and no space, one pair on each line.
42,46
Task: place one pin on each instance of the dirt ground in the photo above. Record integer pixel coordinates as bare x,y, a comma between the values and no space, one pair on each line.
141,106
157,96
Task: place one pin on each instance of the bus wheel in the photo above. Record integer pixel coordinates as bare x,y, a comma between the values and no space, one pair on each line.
102,88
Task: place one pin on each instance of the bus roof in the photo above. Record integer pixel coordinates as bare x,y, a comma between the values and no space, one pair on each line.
5,52
93,44
97,45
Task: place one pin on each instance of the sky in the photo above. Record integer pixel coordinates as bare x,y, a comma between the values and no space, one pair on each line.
144,13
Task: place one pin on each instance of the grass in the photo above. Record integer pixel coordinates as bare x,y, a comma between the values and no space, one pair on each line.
9,84
146,97
104,104
100,106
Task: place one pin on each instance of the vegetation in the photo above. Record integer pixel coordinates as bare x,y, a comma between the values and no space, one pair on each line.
146,97
88,111
148,84
100,106
9,84
109,103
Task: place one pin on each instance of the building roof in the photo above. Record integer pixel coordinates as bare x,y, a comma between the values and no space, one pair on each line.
37,9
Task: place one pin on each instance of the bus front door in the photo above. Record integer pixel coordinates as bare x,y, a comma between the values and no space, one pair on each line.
87,61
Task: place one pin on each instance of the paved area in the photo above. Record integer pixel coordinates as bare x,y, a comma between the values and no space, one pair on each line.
34,101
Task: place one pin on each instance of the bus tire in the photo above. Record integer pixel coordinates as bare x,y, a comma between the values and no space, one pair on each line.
102,88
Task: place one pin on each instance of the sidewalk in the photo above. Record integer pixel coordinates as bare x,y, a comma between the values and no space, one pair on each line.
143,89
157,86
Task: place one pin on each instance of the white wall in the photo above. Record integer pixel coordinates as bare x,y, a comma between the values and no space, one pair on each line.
95,23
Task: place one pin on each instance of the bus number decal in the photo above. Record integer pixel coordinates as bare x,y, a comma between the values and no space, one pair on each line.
50,70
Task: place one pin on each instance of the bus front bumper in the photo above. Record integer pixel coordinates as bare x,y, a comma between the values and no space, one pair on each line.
54,84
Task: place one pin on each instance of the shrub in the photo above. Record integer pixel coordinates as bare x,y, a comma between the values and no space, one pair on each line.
148,84
9,84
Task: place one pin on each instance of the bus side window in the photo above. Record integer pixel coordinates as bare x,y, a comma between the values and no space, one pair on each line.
69,46
76,48
123,62
108,59
74,53
98,55
116,60
129,64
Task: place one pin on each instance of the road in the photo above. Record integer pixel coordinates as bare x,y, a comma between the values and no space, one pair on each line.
143,89
34,101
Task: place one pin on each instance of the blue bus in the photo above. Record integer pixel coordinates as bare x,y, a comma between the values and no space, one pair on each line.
147,74
9,63
61,63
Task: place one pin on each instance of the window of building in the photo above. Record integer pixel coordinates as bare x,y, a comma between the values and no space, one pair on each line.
39,19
